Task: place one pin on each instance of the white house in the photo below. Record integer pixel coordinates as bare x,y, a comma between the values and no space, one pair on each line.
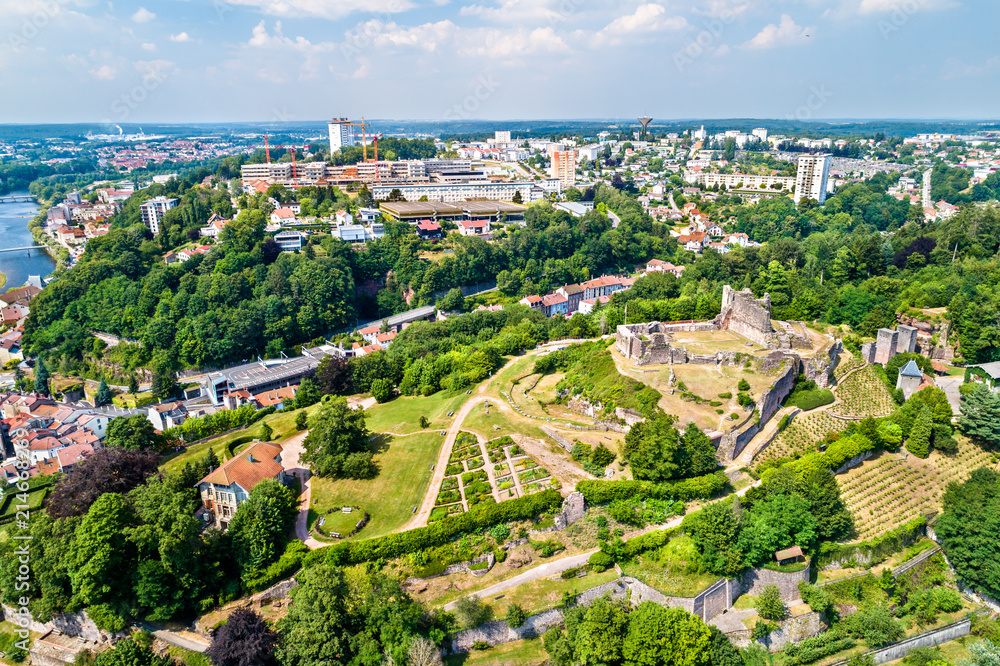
289,241
282,216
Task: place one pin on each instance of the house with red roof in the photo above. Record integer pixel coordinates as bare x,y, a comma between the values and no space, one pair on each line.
223,490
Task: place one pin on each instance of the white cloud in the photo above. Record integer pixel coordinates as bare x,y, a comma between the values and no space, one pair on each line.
907,7
785,33
466,42
104,73
182,37
263,40
148,47
722,50
646,18
143,15
523,11
331,9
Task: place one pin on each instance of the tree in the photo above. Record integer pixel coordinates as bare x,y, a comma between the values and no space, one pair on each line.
453,301
41,377
302,420
969,529
423,653
600,637
259,528
517,198
101,555
133,384
382,390
335,431
266,432
333,376
134,433
471,611
515,616
769,604
984,653
658,635
723,652
103,396
980,416
108,470
919,441
129,652
360,465
246,639
875,625
657,452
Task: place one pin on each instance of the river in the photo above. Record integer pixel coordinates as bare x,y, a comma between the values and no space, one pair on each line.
14,232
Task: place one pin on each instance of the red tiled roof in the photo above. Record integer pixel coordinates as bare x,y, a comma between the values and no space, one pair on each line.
246,474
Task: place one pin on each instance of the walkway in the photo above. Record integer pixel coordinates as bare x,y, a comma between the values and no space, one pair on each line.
292,450
186,640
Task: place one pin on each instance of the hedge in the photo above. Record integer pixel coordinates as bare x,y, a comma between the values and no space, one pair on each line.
877,549
807,400
443,531
699,487
814,649
289,562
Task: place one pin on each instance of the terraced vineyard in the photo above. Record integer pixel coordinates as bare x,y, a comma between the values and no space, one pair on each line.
804,431
863,394
846,365
885,492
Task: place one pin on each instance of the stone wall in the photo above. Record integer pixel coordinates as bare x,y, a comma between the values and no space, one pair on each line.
929,639
818,368
733,442
716,599
72,624
792,630
753,582
573,509
770,401
650,343
746,316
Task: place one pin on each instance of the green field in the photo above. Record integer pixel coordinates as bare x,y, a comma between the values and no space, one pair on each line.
404,475
523,653
672,570
8,509
282,423
402,415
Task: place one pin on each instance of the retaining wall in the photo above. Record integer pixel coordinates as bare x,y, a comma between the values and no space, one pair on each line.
929,639
753,582
72,624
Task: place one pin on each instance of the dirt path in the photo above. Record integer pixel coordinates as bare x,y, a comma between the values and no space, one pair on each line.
565,470
420,517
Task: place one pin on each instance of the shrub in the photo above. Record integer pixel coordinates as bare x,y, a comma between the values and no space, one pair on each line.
601,561
471,611
807,400
382,390
515,616
699,487
769,604
726,396
743,385
602,456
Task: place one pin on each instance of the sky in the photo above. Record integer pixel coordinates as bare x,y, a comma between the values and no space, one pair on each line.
275,60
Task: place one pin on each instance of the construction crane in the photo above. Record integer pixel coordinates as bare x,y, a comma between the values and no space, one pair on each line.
267,153
364,144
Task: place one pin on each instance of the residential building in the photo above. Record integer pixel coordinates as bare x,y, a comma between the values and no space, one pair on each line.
555,304
224,490
289,240
282,216
656,265
341,134
563,166
167,415
152,212
453,192
534,302
573,294
812,177
602,286
350,233
474,227
741,181
575,208
428,229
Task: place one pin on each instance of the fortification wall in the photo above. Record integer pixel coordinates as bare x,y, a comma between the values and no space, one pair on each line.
770,401
747,316
818,368
753,582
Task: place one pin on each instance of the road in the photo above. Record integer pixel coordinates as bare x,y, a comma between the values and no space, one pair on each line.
950,387
615,220
187,640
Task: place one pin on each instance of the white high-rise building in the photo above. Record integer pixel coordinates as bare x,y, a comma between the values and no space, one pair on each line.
811,177
760,133
563,165
501,136
341,134
152,212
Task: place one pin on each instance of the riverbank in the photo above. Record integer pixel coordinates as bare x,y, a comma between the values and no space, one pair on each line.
18,223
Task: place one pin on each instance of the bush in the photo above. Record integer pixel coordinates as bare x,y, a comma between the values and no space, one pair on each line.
602,456
807,400
743,385
302,420
601,561
726,396
482,516
382,390
515,616
471,611
699,487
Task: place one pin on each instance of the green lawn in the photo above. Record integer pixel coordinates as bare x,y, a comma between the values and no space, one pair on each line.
542,594
523,653
282,423
404,475
402,415
482,423
340,522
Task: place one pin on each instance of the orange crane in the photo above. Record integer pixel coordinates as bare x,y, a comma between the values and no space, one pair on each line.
364,143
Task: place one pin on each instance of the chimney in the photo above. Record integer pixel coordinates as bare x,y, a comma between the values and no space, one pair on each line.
250,457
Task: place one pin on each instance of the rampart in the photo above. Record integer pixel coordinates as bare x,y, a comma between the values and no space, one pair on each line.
747,316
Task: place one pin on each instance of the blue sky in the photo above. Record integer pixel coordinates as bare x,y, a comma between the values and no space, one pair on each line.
268,60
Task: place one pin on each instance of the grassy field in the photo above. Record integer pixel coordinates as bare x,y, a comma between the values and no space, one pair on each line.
481,422
402,415
890,489
9,506
542,594
404,475
523,653
282,423
672,570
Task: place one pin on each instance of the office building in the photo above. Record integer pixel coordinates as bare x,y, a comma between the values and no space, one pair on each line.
341,134
563,166
152,212
452,192
812,177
